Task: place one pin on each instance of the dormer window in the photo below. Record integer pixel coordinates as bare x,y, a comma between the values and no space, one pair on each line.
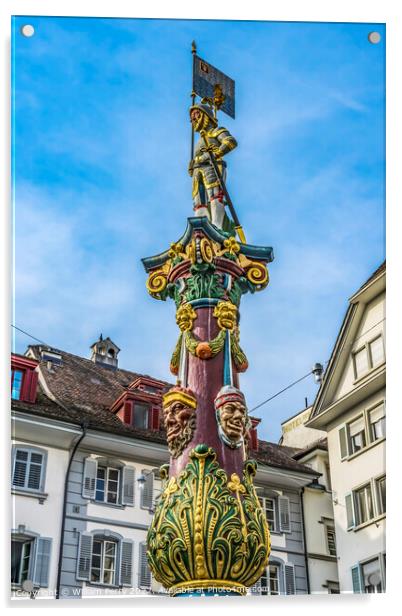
24,378
141,412
16,383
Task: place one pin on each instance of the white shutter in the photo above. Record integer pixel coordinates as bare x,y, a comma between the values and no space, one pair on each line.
350,510
290,579
356,579
147,492
284,514
89,479
126,562
128,485
42,562
343,442
84,556
144,573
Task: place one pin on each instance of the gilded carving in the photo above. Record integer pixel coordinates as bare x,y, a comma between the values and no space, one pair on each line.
179,417
226,315
185,316
208,530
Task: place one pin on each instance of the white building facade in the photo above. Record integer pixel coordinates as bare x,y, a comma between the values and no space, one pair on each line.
350,407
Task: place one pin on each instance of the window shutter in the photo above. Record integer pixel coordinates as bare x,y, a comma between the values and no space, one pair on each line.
84,556
350,510
290,579
126,562
155,418
42,562
128,411
128,485
356,579
284,514
144,573
343,442
20,467
147,491
89,480
35,470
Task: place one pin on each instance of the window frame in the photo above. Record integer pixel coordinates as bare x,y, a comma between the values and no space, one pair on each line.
274,500
368,504
381,507
30,450
366,346
330,529
148,415
107,469
21,387
345,439
24,540
99,538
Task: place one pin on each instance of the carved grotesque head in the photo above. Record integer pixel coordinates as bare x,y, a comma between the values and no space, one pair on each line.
185,316
232,417
179,406
226,314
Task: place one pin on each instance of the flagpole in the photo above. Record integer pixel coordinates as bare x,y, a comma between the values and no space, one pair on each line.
193,51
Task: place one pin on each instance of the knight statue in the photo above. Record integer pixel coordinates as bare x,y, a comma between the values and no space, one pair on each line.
207,191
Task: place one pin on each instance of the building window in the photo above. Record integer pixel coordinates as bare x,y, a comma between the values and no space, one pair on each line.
381,498
361,362
141,415
377,422
376,348
363,504
16,383
28,469
371,576
368,357
103,565
357,435
107,485
269,582
269,506
105,557
331,542
30,558
21,554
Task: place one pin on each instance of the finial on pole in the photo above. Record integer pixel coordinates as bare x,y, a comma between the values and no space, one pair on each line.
193,47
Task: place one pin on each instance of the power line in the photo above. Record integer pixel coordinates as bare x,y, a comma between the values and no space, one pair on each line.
311,372
280,392
30,335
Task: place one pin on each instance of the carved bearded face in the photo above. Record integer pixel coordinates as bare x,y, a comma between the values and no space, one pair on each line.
233,419
179,419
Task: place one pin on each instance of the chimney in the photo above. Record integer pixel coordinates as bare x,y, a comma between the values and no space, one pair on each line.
104,352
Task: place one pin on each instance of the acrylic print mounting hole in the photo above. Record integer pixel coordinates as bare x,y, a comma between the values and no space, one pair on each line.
28,30
374,37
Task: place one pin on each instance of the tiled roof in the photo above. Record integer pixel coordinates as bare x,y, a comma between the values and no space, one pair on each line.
83,383
276,455
85,392
321,443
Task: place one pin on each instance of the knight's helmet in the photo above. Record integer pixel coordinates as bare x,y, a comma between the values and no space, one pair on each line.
207,117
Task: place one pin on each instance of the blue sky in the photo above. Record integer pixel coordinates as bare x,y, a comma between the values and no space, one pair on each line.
101,147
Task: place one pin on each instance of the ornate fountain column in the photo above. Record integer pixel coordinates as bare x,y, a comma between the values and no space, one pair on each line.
209,533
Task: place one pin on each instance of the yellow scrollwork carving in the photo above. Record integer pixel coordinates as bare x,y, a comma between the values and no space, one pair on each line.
157,281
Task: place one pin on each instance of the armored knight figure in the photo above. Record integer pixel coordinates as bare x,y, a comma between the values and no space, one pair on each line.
207,192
